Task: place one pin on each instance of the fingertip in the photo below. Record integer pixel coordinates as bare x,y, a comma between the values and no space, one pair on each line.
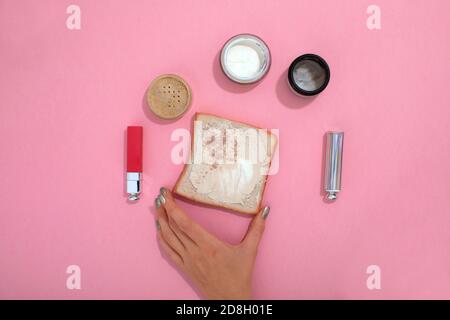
256,230
163,190
161,199
160,212
265,212
157,202
167,200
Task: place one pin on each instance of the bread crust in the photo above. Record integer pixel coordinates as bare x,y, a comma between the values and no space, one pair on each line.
182,177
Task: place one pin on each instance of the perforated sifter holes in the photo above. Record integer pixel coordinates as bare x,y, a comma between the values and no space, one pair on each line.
168,96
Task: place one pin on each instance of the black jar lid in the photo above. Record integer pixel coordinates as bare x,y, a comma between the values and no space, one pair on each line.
317,60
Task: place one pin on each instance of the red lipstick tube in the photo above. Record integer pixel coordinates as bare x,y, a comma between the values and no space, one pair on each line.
134,162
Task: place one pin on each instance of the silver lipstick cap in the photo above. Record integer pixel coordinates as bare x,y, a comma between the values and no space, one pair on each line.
333,164
134,182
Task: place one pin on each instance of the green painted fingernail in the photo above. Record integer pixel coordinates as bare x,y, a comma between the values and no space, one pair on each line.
265,212
157,202
162,190
158,226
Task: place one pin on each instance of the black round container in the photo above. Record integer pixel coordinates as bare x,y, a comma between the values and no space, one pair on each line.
317,65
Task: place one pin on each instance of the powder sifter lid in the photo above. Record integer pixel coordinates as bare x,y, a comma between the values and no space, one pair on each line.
169,96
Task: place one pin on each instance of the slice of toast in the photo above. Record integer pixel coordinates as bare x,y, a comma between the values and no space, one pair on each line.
228,164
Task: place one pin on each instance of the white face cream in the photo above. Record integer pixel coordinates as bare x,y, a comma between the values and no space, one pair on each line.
245,58
243,61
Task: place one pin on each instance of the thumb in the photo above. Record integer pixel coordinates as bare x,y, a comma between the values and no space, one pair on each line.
256,229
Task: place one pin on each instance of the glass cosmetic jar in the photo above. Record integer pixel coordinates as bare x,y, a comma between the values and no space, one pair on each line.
245,59
308,75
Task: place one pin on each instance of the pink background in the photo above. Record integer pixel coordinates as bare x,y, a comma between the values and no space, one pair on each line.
66,98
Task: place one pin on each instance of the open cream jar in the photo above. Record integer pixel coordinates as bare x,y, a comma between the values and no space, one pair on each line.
308,75
245,58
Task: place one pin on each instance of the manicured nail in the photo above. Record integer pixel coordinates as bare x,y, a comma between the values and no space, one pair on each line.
163,191
158,226
265,212
157,202
162,199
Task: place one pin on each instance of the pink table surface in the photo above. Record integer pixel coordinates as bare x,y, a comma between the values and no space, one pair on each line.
66,97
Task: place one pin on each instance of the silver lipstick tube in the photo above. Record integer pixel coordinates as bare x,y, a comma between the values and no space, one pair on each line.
134,182
333,164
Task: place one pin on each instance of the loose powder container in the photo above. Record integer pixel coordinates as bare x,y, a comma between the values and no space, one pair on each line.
168,96
245,58
308,75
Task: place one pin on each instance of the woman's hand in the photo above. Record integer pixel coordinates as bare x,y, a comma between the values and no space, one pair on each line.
220,270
